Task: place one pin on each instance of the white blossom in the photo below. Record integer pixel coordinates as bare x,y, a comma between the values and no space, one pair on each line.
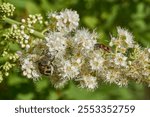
66,20
85,40
69,18
128,36
69,70
29,68
120,60
55,41
88,81
111,76
116,76
96,61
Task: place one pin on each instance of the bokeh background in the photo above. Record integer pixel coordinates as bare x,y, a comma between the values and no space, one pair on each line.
103,16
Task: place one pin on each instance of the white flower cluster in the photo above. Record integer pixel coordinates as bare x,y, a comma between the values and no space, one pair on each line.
29,67
97,61
128,60
69,53
89,82
120,60
123,41
85,40
56,41
69,69
65,21
139,68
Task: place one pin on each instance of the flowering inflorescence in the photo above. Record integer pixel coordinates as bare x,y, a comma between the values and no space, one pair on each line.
64,21
64,52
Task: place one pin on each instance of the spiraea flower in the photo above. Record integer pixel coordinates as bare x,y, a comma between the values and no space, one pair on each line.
140,65
126,36
120,60
75,56
56,41
84,40
116,76
69,69
123,41
66,21
88,81
96,61
29,67
65,52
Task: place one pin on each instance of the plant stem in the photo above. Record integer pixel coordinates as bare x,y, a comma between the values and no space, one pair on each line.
35,33
38,34
11,21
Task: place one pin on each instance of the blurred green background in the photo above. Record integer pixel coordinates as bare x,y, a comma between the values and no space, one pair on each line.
102,15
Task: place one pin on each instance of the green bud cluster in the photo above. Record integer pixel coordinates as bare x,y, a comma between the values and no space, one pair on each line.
18,34
9,63
32,19
24,32
11,56
6,9
6,67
